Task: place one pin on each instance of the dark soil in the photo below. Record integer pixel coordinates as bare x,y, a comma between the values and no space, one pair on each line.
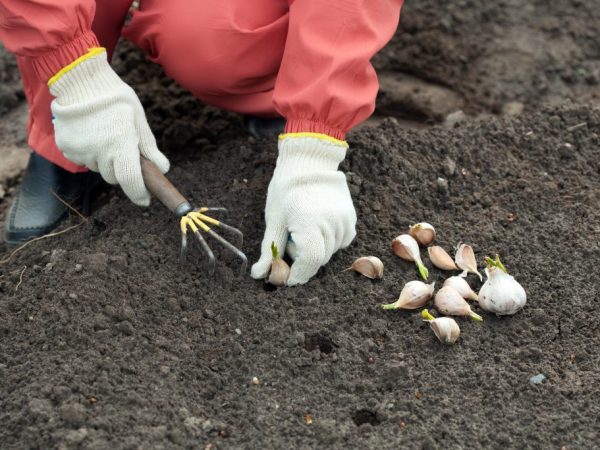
106,341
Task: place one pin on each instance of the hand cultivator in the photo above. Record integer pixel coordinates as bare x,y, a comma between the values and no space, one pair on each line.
193,219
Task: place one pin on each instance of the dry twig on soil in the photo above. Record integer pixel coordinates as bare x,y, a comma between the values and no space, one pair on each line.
49,235
20,280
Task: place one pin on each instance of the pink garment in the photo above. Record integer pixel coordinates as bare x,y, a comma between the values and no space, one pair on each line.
306,60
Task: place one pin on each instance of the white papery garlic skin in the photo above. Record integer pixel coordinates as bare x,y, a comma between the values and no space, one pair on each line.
501,293
446,329
448,301
407,248
465,260
463,288
415,294
369,266
423,232
440,258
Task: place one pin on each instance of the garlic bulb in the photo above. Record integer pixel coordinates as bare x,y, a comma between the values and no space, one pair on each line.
440,258
407,248
465,260
423,232
280,271
415,294
445,328
463,288
501,293
448,301
369,266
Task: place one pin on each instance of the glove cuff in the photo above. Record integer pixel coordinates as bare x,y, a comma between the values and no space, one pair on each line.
309,152
84,78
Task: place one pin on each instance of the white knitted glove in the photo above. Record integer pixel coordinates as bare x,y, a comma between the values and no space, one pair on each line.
100,123
308,198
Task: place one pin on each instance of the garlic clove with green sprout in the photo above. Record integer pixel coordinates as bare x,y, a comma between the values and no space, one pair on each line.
445,328
461,285
407,248
501,293
369,266
465,260
414,294
440,258
448,301
423,232
280,270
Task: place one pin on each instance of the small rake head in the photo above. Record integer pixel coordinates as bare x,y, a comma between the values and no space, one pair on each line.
199,223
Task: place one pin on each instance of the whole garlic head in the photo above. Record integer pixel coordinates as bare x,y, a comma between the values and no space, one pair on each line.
501,293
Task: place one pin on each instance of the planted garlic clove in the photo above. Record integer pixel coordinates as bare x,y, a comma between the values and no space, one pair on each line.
369,266
407,248
423,232
463,288
280,271
465,260
448,301
445,328
501,293
440,258
415,294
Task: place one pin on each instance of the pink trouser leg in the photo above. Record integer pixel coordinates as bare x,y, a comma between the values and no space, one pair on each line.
109,19
226,53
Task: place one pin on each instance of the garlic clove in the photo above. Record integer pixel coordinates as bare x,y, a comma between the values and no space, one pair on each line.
448,301
445,328
414,294
461,285
440,258
407,248
369,266
423,232
465,260
501,293
280,270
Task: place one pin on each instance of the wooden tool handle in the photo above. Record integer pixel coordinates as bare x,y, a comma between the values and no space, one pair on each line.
162,188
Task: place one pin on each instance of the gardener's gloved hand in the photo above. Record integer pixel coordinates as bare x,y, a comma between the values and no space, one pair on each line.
99,122
309,199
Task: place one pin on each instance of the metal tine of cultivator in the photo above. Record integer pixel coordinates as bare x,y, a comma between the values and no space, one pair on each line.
199,216
184,246
232,248
207,250
206,209
198,223
235,231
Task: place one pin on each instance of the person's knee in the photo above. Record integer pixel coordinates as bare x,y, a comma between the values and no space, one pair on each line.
208,49
203,60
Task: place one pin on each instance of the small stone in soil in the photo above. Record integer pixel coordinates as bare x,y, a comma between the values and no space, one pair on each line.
537,379
442,185
449,167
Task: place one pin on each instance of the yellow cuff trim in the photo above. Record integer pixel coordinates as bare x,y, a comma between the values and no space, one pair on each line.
90,54
323,137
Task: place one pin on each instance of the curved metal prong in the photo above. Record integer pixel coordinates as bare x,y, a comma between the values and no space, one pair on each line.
208,251
218,210
232,248
233,230
183,251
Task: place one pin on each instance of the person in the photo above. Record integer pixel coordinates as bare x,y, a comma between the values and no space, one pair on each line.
304,60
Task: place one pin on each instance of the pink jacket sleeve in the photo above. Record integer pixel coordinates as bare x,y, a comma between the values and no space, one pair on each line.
51,33
326,83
